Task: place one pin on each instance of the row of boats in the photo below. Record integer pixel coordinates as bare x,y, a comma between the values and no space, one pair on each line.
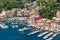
13,25
2,25
46,34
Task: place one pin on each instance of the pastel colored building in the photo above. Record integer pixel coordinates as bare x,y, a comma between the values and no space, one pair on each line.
3,15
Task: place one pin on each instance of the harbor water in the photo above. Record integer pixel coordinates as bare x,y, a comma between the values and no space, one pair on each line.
13,34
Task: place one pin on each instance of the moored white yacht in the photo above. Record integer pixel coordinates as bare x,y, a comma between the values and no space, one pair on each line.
23,29
3,26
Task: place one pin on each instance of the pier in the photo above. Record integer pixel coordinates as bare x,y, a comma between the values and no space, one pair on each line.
51,37
46,36
34,32
42,34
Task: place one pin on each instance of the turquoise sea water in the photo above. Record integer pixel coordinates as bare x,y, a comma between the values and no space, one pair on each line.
14,34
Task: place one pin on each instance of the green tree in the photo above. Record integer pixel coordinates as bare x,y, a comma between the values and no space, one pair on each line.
50,8
9,4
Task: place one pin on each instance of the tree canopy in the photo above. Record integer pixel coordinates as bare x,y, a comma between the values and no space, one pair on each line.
50,8
8,4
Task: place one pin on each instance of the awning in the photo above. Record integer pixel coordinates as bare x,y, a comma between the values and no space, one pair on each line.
38,18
